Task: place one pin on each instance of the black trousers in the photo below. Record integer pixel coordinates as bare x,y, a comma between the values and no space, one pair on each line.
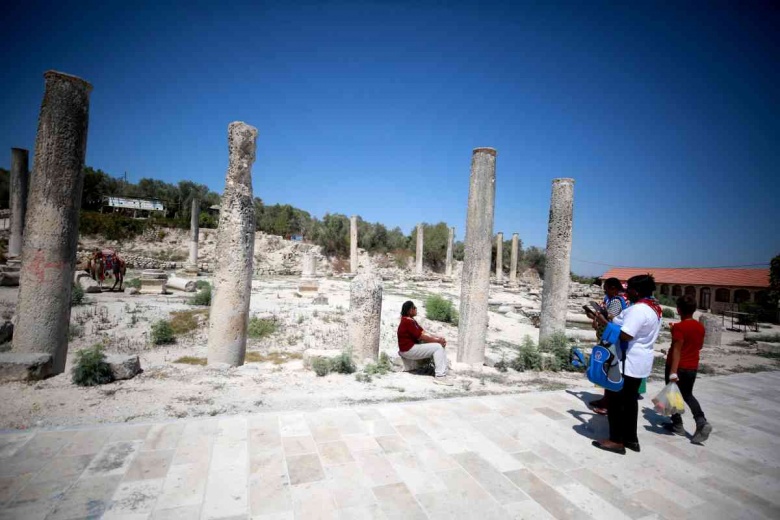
685,383
623,411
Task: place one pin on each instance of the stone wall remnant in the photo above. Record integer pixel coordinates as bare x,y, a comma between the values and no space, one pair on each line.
229,315
475,280
365,316
52,220
557,268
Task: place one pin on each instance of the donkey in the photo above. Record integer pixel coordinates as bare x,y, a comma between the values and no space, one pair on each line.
107,263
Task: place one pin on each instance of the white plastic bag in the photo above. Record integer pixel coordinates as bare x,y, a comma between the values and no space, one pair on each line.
669,401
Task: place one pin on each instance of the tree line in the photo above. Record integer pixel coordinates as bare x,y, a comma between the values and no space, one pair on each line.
331,232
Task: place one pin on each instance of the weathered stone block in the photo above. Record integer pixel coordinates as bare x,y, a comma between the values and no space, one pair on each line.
320,300
123,366
713,329
769,348
180,284
22,366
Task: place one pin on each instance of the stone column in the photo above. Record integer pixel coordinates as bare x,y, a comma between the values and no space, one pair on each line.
353,238
557,269
365,316
52,227
513,260
475,281
18,202
450,241
713,329
234,252
418,259
192,262
308,273
500,257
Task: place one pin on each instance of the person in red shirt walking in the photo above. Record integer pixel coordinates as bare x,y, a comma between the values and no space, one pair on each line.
682,364
414,343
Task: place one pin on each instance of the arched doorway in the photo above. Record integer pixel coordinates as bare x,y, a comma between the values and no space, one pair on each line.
676,290
705,298
691,291
722,295
741,296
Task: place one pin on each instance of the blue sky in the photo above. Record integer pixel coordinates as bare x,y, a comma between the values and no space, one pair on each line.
667,118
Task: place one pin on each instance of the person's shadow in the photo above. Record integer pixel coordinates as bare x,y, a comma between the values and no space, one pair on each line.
592,426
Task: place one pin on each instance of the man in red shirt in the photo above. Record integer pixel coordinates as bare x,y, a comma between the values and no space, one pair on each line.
682,363
414,343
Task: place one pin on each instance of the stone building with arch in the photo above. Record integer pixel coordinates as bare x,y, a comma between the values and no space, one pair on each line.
715,290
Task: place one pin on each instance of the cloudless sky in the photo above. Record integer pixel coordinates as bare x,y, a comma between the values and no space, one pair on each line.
668,118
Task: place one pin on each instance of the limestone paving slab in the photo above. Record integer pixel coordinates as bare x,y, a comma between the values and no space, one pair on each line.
504,457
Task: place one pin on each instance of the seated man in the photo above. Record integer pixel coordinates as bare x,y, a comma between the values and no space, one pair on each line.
415,344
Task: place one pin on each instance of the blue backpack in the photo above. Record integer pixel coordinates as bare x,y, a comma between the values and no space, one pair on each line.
603,366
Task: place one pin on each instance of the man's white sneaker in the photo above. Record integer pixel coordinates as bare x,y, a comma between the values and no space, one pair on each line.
443,380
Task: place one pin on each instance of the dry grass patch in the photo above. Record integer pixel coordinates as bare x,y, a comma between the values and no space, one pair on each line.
183,322
277,358
191,360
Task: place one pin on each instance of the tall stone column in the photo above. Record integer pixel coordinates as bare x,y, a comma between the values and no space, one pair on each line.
499,257
52,223
365,316
557,267
192,262
418,259
513,260
234,252
450,241
475,281
353,244
18,202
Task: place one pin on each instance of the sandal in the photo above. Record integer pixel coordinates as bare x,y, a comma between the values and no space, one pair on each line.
620,450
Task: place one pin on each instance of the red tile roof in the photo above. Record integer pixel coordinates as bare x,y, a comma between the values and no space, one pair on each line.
696,276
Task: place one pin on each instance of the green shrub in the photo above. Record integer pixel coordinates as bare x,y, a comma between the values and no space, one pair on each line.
200,284
76,295
135,282
557,345
203,296
669,301
668,313
528,356
440,309
380,368
321,366
91,368
162,333
343,364
502,365
261,327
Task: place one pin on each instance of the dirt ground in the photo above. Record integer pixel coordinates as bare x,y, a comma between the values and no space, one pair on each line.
274,377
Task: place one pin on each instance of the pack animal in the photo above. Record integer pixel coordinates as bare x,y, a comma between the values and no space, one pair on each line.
105,263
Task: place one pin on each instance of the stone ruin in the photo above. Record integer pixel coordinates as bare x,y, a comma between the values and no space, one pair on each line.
557,269
229,316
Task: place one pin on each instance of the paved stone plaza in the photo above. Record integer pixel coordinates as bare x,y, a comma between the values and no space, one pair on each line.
518,456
